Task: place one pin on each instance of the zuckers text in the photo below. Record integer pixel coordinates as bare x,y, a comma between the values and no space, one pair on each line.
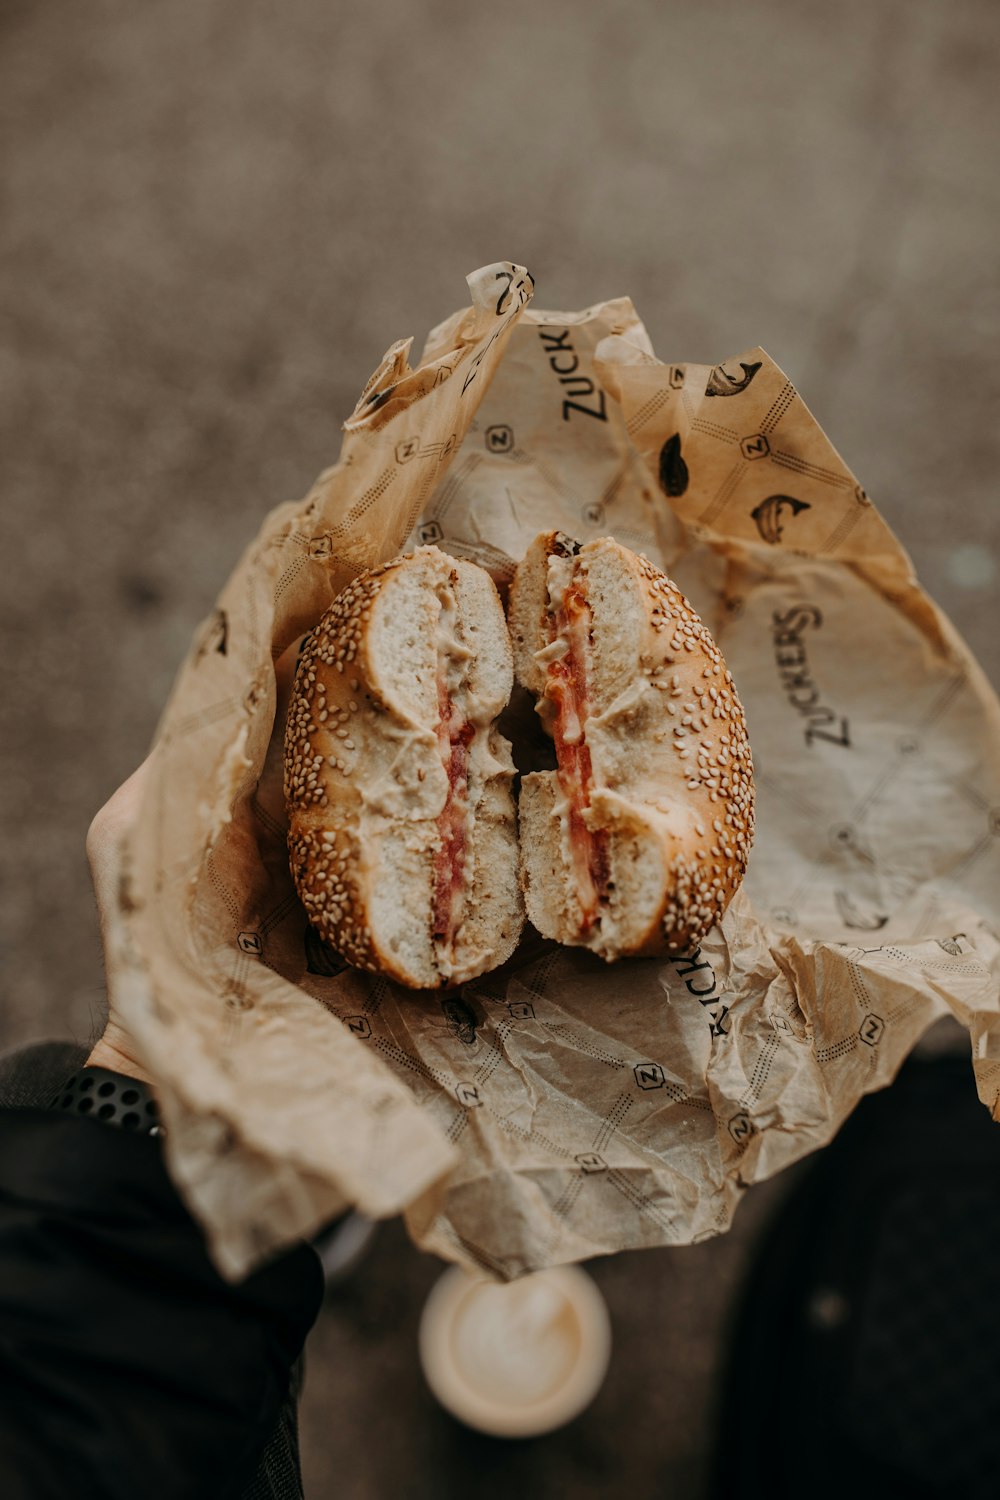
821,721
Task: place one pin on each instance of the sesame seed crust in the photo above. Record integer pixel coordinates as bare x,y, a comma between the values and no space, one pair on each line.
320,759
721,779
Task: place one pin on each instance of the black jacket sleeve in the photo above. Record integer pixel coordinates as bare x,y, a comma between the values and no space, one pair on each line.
129,1369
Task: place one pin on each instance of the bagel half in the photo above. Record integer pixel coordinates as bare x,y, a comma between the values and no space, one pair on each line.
402,832
637,843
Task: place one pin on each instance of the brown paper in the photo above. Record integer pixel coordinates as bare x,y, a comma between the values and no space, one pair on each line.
560,1108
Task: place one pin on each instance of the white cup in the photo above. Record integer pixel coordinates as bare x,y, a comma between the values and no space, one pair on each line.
516,1359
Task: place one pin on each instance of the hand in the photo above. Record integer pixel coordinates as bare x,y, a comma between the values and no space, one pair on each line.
115,1049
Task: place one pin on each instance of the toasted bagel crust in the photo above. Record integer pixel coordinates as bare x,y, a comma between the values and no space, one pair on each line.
672,773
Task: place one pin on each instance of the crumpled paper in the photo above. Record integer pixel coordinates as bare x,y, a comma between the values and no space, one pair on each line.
560,1108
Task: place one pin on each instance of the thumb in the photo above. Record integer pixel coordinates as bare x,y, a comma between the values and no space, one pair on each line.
110,825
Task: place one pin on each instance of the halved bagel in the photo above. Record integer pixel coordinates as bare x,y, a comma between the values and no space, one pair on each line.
637,843
402,831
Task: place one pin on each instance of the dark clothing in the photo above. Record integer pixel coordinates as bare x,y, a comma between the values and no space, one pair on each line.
864,1356
129,1370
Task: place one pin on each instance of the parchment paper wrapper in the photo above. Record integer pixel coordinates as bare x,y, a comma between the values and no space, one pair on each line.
561,1108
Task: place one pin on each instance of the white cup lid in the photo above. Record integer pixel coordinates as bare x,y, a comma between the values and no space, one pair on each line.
516,1359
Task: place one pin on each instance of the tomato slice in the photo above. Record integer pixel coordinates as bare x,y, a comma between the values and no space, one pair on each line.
455,734
567,687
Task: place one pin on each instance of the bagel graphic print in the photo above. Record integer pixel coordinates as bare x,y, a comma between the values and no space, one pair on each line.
768,515
720,383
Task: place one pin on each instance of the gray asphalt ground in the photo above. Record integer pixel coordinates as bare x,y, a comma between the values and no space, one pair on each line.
216,216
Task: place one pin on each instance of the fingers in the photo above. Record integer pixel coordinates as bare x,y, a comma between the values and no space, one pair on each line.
112,821
115,1049
104,838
